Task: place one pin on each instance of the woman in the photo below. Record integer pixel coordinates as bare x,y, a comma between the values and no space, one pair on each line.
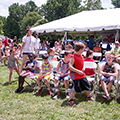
28,46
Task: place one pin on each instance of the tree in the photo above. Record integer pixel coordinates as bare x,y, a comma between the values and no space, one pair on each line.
15,19
29,20
39,22
92,4
2,22
56,9
116,3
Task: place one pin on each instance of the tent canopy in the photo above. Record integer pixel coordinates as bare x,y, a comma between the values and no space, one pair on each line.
85,22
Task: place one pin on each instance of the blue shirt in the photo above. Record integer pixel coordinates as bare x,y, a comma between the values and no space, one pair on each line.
91,43
31,64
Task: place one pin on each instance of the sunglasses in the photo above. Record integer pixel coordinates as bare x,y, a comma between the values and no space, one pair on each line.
109,58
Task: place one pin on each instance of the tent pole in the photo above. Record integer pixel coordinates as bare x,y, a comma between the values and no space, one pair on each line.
65,38
117,35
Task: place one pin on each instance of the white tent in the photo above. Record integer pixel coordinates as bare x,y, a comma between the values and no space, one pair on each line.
85,22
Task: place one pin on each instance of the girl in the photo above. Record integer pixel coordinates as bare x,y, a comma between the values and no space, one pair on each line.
28,46
51,53
13,63
28,72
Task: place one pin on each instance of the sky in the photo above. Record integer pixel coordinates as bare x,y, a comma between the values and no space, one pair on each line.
4,4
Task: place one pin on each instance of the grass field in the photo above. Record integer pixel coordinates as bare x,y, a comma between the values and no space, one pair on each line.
30,106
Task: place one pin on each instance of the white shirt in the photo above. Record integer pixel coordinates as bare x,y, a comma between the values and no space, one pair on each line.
29,44
37,41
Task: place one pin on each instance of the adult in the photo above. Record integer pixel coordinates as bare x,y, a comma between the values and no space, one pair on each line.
108,46
116,52
51,42
91,42
28,46
37,43
0,48
6,43
15,41
86,47
97,48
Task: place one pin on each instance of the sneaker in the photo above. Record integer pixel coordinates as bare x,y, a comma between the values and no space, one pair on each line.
55,96
17,90
40,91
106,97
67,95
71,102
22,90
90,98
49,93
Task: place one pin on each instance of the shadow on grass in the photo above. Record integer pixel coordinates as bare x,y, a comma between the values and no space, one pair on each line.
102,100
77,99
2,65
118,100
7,83
43,94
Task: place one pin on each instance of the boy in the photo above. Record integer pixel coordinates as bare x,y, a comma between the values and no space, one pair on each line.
46,69
63,71
108,73
80,81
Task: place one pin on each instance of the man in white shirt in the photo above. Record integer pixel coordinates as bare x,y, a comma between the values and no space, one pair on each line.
37,43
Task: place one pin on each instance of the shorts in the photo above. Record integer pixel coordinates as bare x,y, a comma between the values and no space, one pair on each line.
107,79
25,53
66,76
80,85
46,76
13,68
30,73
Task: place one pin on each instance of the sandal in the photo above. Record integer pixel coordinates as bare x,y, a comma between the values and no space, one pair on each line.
106,97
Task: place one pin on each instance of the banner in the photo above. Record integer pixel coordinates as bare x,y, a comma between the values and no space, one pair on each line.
109,38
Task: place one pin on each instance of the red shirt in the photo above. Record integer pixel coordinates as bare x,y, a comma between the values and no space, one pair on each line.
89,71
78,64
6,43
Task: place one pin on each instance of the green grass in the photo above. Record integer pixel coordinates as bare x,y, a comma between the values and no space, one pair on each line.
29,106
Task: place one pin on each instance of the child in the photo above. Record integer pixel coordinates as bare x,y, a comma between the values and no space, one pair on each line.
108,73
97,48
89,58
29,68
51,53
80,81
18,51
7,53
13,63
46,68
63,71
104,59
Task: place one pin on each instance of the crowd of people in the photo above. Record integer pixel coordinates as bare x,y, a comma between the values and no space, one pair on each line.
70,63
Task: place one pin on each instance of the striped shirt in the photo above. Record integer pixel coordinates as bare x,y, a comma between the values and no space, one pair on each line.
45,68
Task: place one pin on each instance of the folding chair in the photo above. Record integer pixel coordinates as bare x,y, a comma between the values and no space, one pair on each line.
40,54
99,91
91,78
97,54
36,72
118,85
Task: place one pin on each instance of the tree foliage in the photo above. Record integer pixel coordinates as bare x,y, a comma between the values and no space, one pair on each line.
116,3
39,22
30,14
92,4
56,9
2,22
29,20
